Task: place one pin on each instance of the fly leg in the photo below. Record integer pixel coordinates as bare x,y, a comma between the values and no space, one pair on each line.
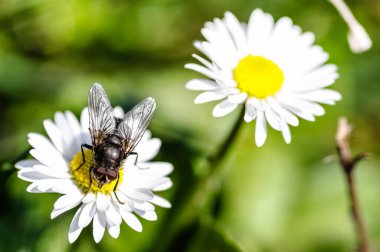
83,157
114,189
90,176
135,163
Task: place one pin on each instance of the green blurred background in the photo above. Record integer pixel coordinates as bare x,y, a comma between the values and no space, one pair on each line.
275,198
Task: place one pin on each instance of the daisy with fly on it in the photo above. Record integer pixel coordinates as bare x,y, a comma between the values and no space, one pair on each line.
273,68
57,167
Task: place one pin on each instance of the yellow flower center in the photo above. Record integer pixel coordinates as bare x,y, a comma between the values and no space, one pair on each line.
258,76
81,176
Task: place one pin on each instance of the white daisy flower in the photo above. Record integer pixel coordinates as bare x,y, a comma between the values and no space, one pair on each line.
272,68
54,170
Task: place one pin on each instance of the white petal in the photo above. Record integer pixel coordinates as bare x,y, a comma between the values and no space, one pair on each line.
148,215
223,108
84,119
237,98
141,194
32,188
209,96
147,135
99,226
30,175
250,112
148,150
65,186
205,62
273,119
285,32
51,185
303,113
70,146
54,134
260,26
256,103
85,124
90,197
131,220
68,200
157,182
220,46
88,213
38,141
75,128
50,159
127,204
314,57
202,85
112,216
47,185
57,212
286,133
122,197
45,150
236,31
297,107
159,201
75,230
27,163
203,70
114,231
102,202
261,129
282,112
157,169
51,172
146,206
323,96
319,78
318,110
164,186
292,101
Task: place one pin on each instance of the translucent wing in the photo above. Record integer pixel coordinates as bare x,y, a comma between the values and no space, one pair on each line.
135,123
102,121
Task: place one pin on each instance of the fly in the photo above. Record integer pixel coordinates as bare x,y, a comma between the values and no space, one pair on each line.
113,139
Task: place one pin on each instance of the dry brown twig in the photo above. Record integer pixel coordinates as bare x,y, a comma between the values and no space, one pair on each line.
348,164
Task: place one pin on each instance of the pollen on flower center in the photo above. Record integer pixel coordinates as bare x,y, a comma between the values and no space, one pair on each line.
258,77
81,176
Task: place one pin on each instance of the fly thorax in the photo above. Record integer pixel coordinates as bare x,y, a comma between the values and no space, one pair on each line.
108,155
113,139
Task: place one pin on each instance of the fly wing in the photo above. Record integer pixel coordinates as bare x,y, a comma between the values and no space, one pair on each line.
102,121
135,123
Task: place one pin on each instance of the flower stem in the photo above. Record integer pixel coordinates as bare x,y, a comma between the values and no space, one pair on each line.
363,241
218,156
197,202
348,164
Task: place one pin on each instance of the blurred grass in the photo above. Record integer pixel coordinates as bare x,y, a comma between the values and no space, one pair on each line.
275,198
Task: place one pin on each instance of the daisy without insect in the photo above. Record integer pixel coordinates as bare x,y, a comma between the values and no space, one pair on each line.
272,68
60,166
